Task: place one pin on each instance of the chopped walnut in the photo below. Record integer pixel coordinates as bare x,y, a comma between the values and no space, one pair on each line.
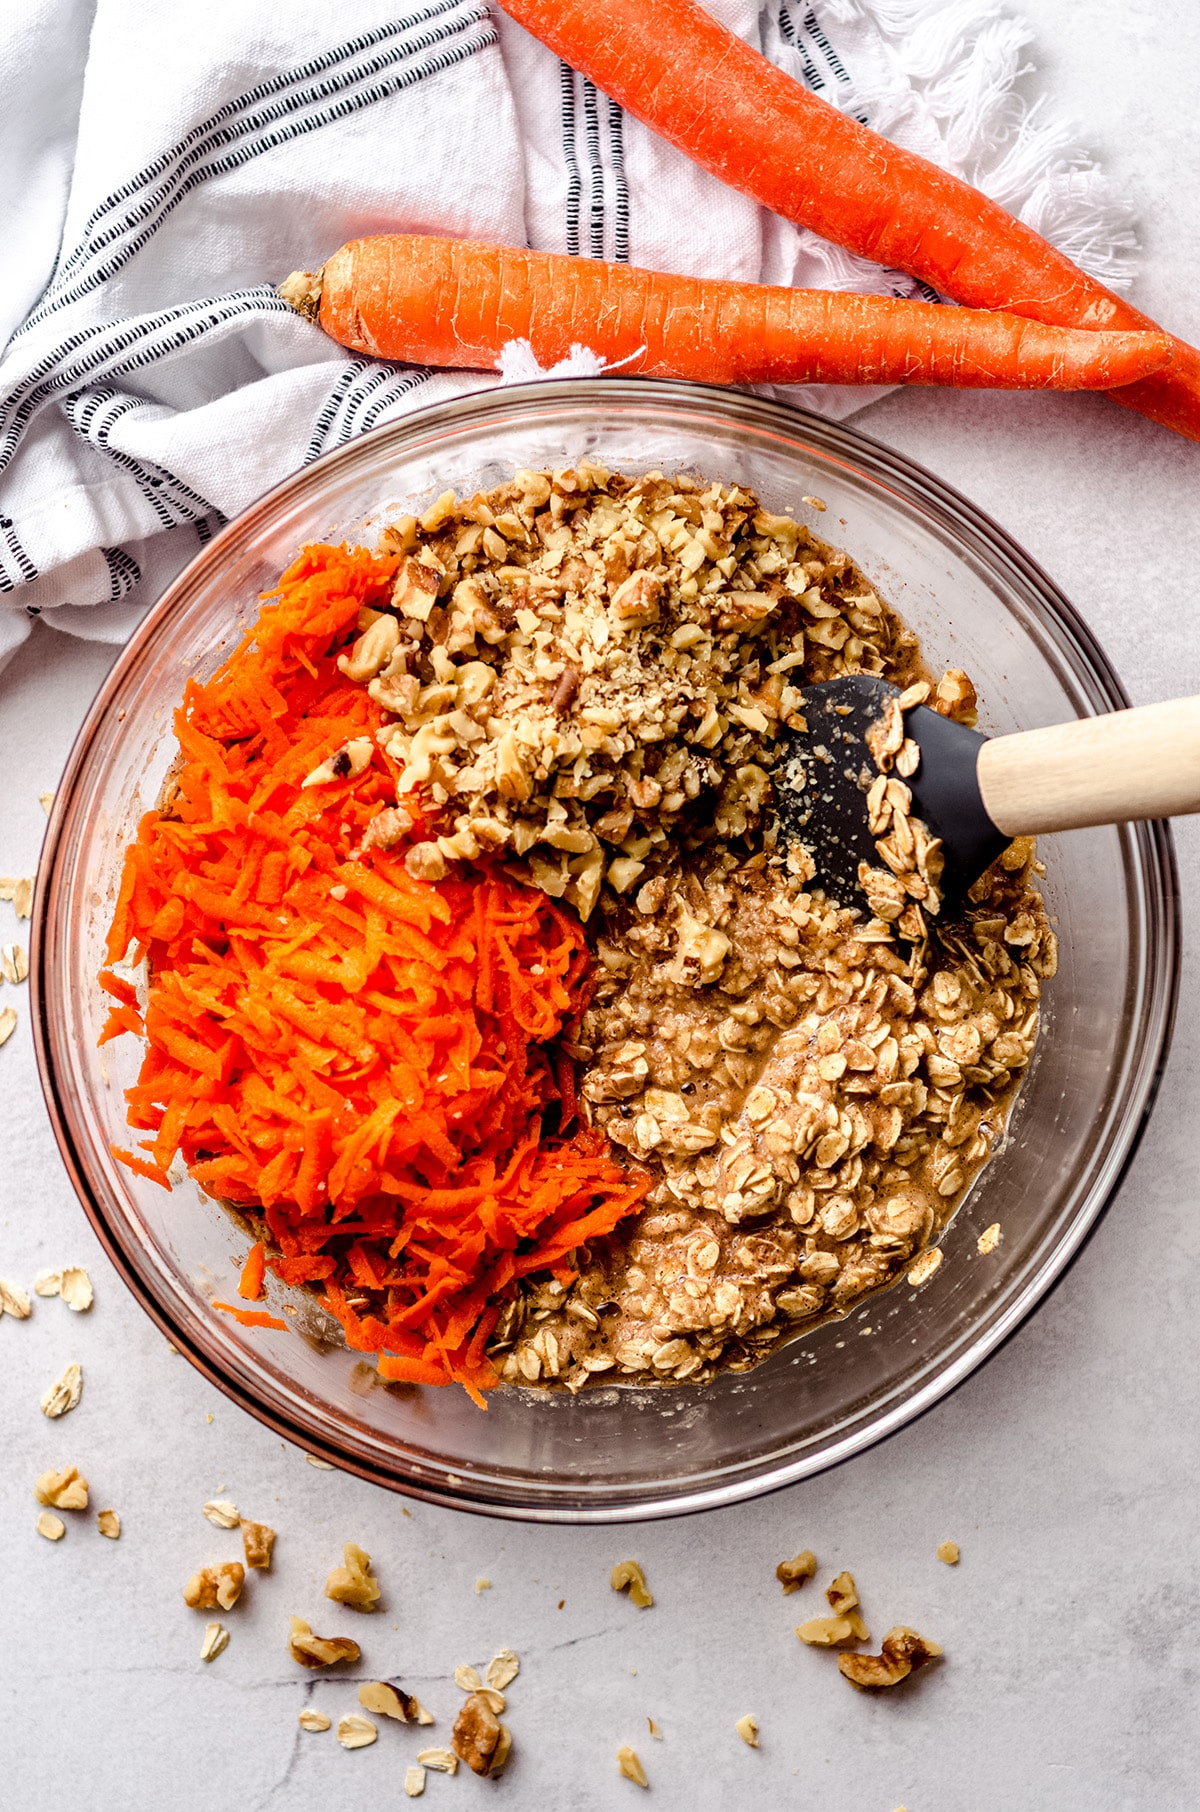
258,1544
827,1632
319,1651
903,1652
747,1729
629,1764
384,1700
843,1601
948,1551
215,1586
793,1574
66,1490
477,1733
627,1576
353,1583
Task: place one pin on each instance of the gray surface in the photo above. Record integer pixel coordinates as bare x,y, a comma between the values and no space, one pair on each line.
1067,1469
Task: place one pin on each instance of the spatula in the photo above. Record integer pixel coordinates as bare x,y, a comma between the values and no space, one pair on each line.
974,792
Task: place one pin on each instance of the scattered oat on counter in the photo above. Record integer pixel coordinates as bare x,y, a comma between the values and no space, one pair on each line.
13,1300
313,1720
747,1729
109,1524
64,1395
629,1764
75,1288
8,1023
21,896
258,1544
216,1641
655,1729
925,1267
215,1587
989,1239
14,963
483,1583
46,801
353,1584
47,1283
222,1512
903,1652
502,1669
51,1526
466,1678
414,1782
356,1732
442,1761
66,1490
792,1574
627,1576
321,1465
319,1651
948,1551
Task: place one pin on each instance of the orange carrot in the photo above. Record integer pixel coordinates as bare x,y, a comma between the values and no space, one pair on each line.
452,302
366,1058
250,1318
250,1284
699,86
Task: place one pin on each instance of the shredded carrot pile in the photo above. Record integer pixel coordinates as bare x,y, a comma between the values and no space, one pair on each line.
365,1060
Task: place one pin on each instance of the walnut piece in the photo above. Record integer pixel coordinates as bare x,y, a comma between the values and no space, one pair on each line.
353,1583
793,1574
629,1764
477,1732
747,1729
258,1543
903,1652
627,1576
319,1651
66,1490
826,1632
215,1586
384,1700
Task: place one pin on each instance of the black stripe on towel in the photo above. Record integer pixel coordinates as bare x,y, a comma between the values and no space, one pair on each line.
616,145
566,77
123,572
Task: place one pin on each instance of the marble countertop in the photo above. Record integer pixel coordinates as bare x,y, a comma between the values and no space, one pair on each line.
1067,1470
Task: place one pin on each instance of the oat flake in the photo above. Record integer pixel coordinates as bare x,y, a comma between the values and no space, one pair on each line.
64,1395
13,1300
51,1526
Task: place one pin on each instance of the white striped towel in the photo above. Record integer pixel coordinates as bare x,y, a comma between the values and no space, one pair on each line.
166,166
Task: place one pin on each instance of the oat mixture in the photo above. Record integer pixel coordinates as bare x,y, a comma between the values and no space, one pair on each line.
586,675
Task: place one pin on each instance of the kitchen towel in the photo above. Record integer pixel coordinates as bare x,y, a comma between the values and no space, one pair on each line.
166,166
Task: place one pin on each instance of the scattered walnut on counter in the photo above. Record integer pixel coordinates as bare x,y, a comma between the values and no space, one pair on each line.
66,1490
903,1652
478,1734
793,1574
628,1577
258,1544
747,1729
319,1651
827,1632
353,1583
213,1587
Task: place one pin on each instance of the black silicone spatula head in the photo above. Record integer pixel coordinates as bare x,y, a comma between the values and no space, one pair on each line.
823,781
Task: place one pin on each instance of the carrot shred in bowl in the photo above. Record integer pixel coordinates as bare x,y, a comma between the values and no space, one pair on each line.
365,1059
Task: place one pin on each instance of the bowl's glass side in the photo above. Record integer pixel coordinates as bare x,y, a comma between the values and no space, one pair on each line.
976,603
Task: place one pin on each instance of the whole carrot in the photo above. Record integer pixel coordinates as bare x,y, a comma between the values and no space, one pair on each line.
698,85
450,302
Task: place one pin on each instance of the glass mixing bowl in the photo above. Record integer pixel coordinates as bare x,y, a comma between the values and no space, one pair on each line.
977,602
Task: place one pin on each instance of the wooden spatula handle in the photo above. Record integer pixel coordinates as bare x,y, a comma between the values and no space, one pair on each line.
1143,763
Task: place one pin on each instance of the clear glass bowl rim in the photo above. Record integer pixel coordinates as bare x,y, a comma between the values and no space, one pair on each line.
1157,984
